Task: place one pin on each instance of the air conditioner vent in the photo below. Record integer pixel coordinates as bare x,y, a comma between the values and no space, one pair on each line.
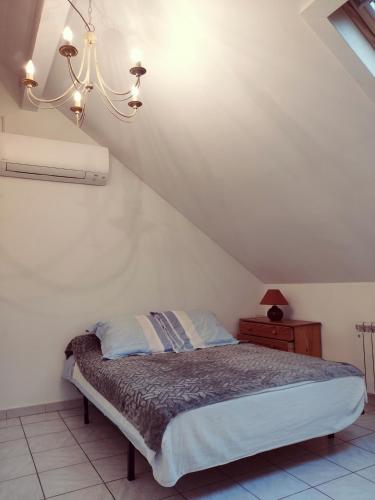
59,161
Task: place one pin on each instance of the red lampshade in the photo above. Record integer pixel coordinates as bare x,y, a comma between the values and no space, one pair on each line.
274,297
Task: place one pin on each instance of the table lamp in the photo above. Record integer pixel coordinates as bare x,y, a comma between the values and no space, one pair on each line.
274,297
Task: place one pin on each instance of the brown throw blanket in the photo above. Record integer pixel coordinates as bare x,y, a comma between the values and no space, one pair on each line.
150,390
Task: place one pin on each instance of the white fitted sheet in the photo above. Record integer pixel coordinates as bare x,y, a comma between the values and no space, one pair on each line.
223,432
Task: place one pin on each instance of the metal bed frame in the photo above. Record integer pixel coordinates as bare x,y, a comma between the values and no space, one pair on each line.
131,448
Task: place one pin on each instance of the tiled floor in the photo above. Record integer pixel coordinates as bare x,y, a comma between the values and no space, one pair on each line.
54,455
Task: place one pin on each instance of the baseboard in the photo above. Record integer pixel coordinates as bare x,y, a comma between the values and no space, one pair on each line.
42,408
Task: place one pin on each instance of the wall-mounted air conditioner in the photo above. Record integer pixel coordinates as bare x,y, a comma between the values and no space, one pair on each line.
49,160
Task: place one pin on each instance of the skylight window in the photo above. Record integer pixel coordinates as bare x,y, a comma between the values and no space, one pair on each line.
349,32
355,21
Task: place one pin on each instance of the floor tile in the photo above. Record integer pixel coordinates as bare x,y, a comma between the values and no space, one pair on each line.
366,442
272,484
72,412
311,494
368,473
321,444
60,457
66,479
10,433
99,492
104,448
14,448
51,441
352,432
115,467
94,432
111,468
351,487
198,479
315,470
285,453
370,408
13,467
223,490
40,428
9,422
351,457
23,488
143,488
367,420
40,417
240,467
26,410
77,421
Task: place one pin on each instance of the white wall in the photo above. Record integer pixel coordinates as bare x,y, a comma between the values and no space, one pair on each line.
72,254
338,306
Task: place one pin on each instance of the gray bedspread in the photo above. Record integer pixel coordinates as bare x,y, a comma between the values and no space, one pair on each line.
150,390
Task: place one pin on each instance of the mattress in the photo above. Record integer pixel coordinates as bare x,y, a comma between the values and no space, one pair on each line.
223,432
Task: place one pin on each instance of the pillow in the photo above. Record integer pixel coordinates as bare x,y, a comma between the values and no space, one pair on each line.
169,331
131,335
189,330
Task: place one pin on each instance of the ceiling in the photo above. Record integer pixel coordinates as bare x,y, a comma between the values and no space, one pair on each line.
251,128
19,21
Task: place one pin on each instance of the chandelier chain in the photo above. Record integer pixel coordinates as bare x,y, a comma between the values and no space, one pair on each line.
88,26
90,12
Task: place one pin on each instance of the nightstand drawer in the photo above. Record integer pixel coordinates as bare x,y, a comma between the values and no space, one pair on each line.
282,345
269,331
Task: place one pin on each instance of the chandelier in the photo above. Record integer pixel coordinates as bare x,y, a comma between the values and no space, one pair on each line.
88,78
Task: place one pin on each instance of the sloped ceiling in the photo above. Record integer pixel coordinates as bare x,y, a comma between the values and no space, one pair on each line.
18,28
251,128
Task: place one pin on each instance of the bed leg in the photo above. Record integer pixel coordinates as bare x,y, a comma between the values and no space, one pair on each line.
86,410
331,436
131,463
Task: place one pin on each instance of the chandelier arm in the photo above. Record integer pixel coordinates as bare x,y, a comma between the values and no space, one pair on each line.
102,90
104,84
36,100
104,93
81,118
75,78
131,96
113,109
124,120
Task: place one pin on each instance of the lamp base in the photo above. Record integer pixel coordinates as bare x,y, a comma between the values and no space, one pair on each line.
275,314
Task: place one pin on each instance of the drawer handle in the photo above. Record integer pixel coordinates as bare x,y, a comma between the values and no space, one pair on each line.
274,331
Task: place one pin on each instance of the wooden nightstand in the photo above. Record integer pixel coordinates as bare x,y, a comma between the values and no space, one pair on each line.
303,337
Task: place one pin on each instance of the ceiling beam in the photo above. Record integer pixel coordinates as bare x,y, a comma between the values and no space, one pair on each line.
47,39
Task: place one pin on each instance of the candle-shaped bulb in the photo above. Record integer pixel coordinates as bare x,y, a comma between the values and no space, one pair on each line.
77,99
136,56
135,92
30,70
68,34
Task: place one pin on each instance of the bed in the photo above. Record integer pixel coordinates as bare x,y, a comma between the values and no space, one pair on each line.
236,427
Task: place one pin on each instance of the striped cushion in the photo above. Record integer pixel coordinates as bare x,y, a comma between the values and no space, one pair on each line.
169,331
193,329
